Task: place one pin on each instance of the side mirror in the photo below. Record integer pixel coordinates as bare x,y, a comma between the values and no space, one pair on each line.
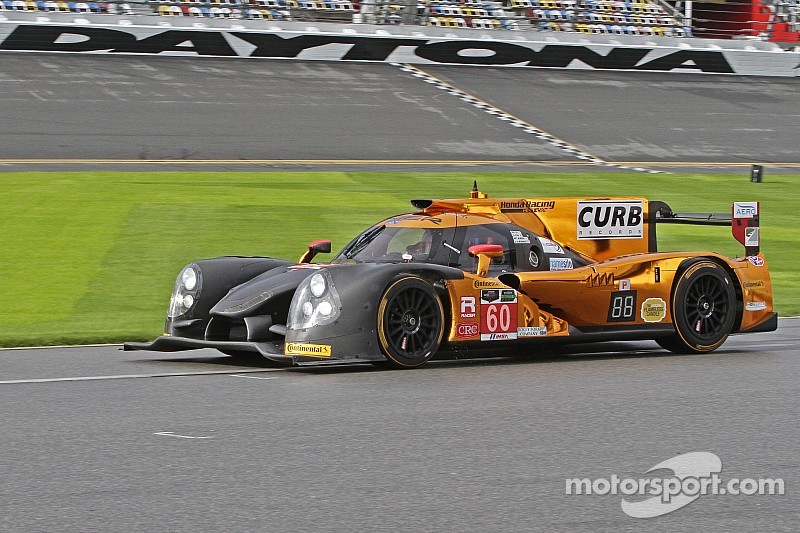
485,253
314,248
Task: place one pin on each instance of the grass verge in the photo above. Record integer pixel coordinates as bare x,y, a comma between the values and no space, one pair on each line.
91,257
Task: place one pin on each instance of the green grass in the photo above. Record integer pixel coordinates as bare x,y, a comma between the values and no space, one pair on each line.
91,257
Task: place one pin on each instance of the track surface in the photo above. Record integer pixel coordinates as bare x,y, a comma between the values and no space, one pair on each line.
191,442
454,446
180,109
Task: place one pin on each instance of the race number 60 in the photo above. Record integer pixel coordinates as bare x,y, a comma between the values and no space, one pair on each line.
499,318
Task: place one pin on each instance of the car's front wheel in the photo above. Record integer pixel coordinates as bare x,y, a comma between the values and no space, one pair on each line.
703,309
410,322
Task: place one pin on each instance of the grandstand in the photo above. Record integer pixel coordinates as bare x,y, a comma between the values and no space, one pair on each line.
772,20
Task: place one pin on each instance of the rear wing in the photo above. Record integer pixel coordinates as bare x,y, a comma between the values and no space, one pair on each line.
743,220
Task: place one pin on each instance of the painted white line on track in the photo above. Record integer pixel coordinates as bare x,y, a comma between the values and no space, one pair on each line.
139,376
253,377
762,345
173,434
61,346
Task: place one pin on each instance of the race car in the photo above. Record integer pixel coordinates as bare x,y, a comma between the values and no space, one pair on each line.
459,276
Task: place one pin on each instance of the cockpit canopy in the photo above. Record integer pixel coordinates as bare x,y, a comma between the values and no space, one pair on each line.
445,240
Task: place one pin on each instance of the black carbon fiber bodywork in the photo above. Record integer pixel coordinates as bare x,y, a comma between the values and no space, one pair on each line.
220,275
361,286
244,306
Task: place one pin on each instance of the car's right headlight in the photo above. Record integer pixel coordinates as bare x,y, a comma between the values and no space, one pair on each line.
315,302
186,291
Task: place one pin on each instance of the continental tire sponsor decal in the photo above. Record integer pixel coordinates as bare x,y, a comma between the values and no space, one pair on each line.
611,219
315,350
210,42
654,310
487,284
753,284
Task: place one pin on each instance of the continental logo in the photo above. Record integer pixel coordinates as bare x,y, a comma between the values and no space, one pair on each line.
753,284
486,284
526,206
315,350
654,310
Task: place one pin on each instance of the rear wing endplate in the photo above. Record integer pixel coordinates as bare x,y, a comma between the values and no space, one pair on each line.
743,221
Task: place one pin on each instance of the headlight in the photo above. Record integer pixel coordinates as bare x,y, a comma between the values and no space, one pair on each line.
186,291
325,308
315,302
189,278
317,285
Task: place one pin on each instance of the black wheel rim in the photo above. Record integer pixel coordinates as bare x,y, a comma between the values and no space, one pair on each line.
707,306
412,323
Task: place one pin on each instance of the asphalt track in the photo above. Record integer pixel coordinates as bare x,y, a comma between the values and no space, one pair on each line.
95,439
82,112
92,438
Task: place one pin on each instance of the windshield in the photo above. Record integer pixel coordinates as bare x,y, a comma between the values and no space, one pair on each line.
394,243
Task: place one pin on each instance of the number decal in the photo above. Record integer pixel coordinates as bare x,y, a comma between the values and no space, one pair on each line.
498,314
622,307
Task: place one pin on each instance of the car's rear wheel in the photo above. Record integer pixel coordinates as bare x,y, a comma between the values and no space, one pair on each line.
703,308
410,323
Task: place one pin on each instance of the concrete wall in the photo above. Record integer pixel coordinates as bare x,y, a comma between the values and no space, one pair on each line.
182,36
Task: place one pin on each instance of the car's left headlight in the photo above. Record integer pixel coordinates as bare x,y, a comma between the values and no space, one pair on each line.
315,302
186,291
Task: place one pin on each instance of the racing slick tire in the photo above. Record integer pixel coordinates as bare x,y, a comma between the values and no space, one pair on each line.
410,323
703,308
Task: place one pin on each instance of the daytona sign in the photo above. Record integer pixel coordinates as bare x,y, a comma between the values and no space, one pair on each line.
420,50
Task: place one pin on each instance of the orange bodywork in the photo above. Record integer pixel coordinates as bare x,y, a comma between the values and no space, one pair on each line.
626,282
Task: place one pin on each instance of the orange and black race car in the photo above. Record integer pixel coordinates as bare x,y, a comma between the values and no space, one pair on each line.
459,276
